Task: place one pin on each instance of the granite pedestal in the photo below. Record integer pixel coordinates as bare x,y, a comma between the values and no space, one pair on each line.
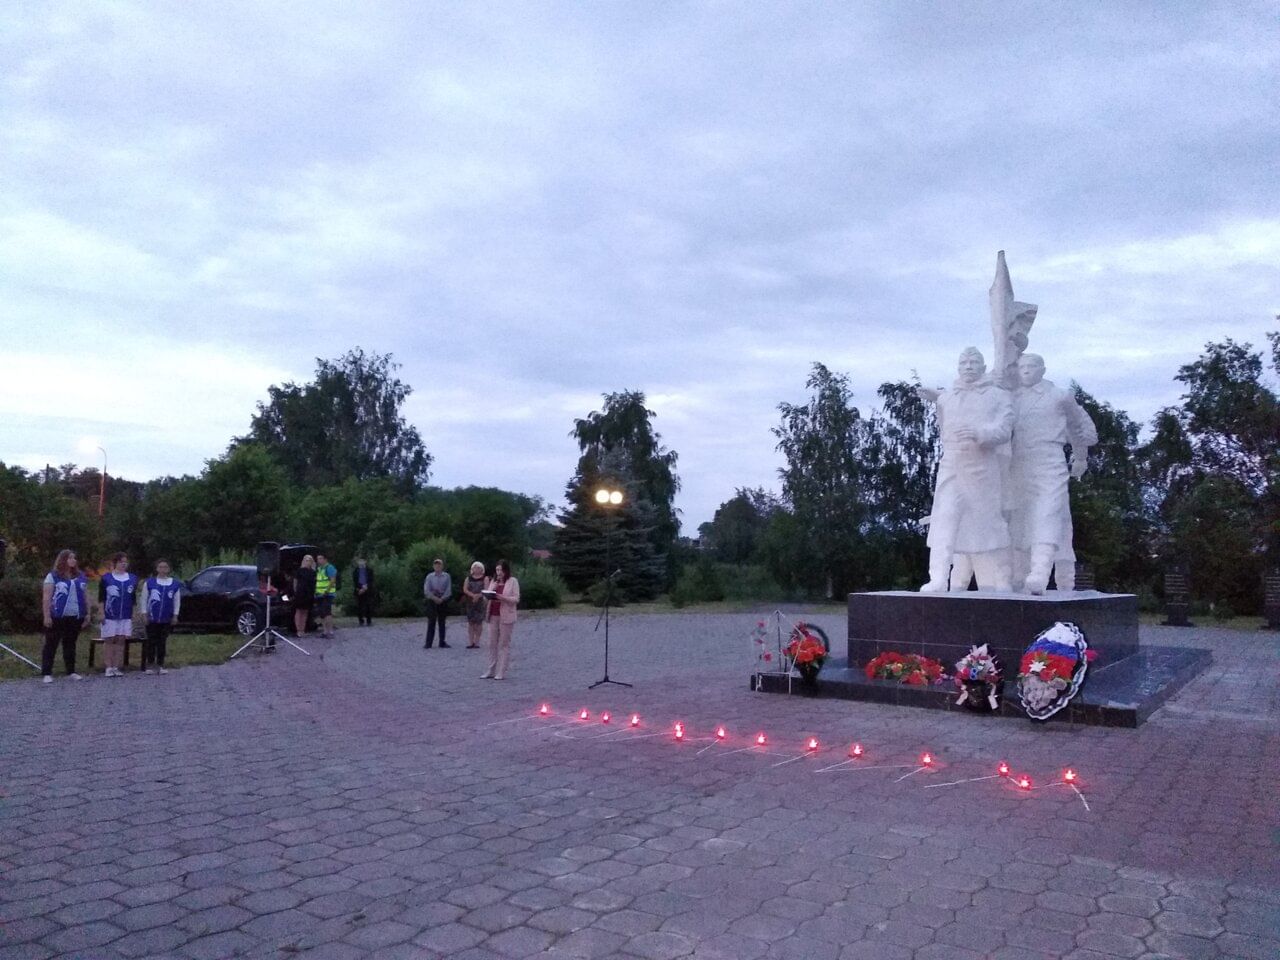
1124,685
945,625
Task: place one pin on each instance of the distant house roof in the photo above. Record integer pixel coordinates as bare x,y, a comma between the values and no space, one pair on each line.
540,554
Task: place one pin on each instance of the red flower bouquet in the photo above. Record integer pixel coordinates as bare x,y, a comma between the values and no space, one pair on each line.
808,654
911,669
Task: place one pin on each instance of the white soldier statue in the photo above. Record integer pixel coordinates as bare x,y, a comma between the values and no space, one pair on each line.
975,421
1046,418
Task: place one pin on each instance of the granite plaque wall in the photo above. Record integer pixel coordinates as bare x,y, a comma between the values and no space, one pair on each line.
945,625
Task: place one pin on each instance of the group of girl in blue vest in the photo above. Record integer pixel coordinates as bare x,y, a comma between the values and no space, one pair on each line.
65,604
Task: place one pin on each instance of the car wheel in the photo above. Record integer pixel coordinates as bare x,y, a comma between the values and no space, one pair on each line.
248,621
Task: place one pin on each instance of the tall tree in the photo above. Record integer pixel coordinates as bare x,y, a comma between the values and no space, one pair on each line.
244,499
624,431
735,533
38,519
1109,516
824,477
593,540
1213,468
902,453
345,425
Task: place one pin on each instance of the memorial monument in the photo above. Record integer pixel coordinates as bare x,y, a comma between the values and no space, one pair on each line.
1001,512
1011,443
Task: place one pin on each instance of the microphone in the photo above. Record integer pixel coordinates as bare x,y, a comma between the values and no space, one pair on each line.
616,573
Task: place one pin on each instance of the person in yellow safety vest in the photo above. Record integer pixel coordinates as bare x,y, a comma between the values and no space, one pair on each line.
326,590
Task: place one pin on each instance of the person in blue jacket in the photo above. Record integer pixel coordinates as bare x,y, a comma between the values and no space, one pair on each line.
66,612
116,592
163,594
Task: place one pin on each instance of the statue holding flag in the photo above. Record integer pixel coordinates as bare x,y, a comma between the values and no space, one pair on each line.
1000,507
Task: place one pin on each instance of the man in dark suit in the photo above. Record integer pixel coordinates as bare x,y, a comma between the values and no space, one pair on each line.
362,578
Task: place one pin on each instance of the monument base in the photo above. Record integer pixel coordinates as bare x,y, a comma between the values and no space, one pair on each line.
1121,694
945,626
1124,685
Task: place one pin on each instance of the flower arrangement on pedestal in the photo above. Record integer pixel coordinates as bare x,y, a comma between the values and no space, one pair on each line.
1053,669
808,654
980,678
911,669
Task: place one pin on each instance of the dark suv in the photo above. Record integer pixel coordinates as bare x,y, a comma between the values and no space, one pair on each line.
231,596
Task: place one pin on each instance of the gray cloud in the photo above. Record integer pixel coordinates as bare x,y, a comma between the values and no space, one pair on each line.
530,205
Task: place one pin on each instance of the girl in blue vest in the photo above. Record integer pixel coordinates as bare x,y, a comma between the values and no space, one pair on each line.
66,613
163,595
116,591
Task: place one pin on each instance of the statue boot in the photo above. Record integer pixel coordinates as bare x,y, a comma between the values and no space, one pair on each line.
1064,575
939,572
1041,566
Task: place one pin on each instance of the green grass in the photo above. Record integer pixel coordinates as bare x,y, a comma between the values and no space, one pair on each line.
1251,624
184,650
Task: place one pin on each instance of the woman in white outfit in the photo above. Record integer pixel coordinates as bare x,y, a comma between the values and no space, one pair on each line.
504,598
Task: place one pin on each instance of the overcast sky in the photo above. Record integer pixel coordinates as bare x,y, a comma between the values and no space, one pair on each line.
529,204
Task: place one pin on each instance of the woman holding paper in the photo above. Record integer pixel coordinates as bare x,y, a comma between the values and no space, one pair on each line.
504,597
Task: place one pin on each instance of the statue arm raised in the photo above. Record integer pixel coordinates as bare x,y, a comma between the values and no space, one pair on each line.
1000,429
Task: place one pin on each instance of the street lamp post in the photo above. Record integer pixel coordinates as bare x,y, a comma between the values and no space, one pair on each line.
609,500
102,485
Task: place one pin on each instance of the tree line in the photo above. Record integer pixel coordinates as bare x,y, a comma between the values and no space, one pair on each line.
331,462
1202,488
334,462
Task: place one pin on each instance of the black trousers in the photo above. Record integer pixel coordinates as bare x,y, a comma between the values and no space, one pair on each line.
156,644
364,606
435,614
65,631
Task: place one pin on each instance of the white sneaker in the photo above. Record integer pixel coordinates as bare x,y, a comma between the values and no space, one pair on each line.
162,671
46,679
117,672
74,676
109,672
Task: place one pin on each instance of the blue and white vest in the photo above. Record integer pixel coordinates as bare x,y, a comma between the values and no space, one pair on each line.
160,600
119,596
62,592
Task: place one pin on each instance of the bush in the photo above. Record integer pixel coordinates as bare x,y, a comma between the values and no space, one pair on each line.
20,605
700,583
595,594
540,587
753,583
398,577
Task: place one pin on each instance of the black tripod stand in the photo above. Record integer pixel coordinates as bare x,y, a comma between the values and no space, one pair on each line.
14,653
265,640
604,614
604,618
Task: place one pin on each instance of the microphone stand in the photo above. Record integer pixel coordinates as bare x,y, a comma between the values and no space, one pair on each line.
604,614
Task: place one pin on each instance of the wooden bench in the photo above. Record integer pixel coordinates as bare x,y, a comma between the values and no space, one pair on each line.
128,642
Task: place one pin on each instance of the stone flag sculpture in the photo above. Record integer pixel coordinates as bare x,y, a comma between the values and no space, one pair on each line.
1001,512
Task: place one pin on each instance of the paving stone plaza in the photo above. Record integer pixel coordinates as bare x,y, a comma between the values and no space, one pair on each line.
379,800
